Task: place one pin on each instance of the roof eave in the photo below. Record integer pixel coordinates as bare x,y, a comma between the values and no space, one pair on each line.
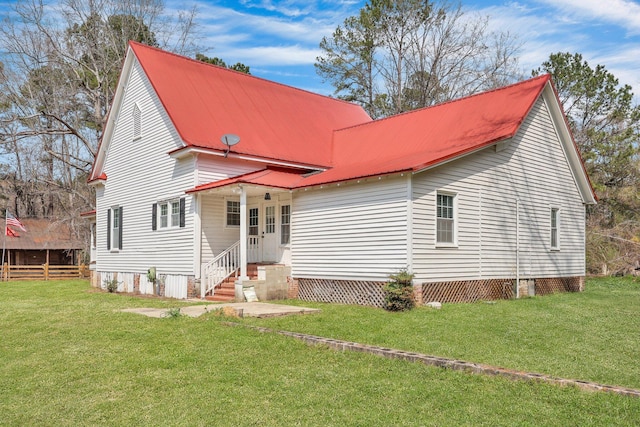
189,150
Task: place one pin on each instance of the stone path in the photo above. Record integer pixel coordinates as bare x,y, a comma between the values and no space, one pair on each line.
443,362
242,309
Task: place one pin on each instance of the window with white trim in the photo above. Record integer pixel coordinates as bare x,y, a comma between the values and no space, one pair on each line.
233,213
175,213
114,228
164,215
555,228
171,213
445,221
137,122
285,224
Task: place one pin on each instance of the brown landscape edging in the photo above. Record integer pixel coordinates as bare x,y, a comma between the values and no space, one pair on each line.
443,362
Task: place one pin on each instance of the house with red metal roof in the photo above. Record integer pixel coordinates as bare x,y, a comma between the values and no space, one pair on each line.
213,181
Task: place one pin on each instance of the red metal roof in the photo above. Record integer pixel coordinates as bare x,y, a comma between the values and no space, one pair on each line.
414,140
268,177
273,121
429,136
283,125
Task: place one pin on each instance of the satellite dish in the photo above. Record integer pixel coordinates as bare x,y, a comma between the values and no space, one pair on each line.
229,139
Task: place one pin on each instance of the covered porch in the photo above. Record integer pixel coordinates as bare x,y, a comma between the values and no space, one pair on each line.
243,239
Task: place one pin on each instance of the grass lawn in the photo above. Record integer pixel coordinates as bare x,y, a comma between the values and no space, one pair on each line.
68,356
592,335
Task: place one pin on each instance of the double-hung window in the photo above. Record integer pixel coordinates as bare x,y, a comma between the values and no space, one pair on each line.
285,224
171,213
164,215
175,213
114,228
445,219
233,213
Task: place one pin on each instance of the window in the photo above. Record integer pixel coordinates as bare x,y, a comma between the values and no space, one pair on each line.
270,219
233,213
114,228
175,213
137,122
445,231
253,221
172,214
164,215
555,225
285,224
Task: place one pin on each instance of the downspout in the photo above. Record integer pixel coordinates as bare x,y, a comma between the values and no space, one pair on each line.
517,248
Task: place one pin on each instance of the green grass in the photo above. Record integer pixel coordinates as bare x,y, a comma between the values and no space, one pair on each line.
593,335
69,357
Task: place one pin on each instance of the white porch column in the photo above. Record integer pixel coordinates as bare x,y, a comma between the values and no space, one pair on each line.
243,244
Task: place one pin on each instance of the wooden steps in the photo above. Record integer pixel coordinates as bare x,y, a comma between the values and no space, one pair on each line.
226,291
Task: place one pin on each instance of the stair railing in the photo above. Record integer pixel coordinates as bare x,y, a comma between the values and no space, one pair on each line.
218,269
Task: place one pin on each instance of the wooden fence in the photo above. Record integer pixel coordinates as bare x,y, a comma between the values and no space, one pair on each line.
44,272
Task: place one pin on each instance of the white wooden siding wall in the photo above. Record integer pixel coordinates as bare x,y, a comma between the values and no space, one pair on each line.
215,168
141,173
532,169
353,232
216,237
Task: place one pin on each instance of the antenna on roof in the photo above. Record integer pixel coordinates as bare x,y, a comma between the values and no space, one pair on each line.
229,139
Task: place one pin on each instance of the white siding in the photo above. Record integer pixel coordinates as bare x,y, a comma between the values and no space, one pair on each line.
531,169
215,168
140,173
353,232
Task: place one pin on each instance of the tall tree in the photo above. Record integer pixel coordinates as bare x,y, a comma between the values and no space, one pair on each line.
398,55
606,126
238,66
60,72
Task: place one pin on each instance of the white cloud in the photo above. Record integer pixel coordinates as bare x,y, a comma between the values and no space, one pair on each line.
271,55
625,13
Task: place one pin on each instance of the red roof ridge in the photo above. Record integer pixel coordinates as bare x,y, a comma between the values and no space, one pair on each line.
464,98
271,82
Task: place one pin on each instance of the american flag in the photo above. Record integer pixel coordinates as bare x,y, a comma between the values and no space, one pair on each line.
13,221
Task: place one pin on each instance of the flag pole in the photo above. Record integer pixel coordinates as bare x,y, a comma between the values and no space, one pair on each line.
4,241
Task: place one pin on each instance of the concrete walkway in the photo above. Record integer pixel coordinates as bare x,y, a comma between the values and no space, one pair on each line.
241,309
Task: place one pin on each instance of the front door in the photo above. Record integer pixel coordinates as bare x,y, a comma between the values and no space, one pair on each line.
269,238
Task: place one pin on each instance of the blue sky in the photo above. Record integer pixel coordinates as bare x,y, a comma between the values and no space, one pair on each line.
279,39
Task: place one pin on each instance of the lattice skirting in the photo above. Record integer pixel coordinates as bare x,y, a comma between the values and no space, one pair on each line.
559,284
371,294
467,290
341,291
494,289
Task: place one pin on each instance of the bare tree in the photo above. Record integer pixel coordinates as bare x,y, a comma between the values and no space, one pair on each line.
60,69
419,53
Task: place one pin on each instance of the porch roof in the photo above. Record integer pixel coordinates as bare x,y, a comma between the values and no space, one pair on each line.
268,177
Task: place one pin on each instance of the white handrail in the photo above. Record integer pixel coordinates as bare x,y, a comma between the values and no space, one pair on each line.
221,267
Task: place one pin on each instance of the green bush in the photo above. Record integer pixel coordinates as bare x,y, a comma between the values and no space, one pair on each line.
111,285
398,292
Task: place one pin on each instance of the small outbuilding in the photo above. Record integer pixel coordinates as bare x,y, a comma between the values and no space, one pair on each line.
45,243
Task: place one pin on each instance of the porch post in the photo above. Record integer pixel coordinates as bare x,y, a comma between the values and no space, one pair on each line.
243,243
